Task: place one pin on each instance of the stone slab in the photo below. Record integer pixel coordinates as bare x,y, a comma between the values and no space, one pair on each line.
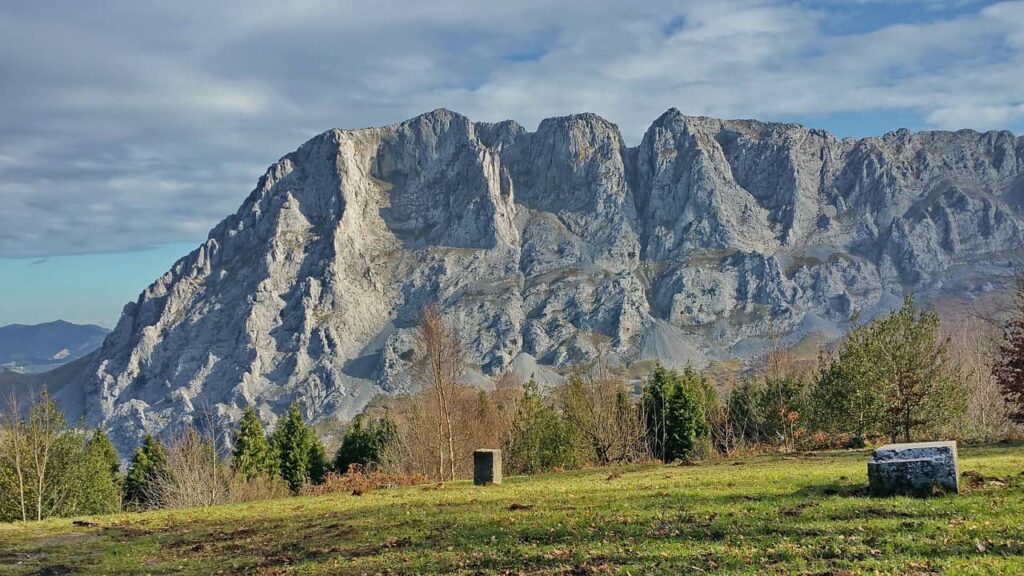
916,468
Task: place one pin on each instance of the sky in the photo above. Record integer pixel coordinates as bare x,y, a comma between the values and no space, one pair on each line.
128,129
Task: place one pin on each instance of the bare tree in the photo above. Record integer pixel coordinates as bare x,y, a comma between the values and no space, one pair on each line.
1008,368
195,475
439,365
609,425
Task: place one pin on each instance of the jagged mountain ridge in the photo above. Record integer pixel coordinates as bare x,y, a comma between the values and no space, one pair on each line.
692,245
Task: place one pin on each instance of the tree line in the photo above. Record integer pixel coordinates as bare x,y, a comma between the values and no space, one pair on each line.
898,377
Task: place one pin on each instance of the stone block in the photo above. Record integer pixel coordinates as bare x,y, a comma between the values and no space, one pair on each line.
917,469
486,467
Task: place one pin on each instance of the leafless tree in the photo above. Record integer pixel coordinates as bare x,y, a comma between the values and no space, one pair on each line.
195,475
439,365
603,416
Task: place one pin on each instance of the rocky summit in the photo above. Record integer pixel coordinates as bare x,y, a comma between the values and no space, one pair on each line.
547,248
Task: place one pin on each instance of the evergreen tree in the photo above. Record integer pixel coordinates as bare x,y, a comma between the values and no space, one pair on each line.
149,463
890,377
1009,366
685,422
319,462
653,400
540,439
676,410
364,444
252,456
846,397
100,447
302,457
98,476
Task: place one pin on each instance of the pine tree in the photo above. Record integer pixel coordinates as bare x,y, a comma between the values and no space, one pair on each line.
253,456
302,457
148,464
540,439
100,446
654,406
364,444
1009,366
891,376
684,421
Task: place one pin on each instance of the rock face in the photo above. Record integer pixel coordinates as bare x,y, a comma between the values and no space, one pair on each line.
917,469
543,247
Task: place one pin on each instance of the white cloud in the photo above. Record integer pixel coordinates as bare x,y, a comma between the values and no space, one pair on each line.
129,125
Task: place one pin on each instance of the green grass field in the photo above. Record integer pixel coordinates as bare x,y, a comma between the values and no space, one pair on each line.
801,514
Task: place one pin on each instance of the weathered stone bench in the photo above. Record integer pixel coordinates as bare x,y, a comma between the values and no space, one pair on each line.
917,469
486,467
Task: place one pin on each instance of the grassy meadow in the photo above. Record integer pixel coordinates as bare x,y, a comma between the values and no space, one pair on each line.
792,514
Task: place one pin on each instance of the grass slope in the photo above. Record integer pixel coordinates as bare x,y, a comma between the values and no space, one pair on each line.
801,514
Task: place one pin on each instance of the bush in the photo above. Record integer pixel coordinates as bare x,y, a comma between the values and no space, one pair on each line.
540,439
365,444
359,481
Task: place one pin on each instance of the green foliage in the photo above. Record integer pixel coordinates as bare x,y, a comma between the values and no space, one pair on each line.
98,476
540,439
100,447
676,408
47,469
252,455
148,466
767,409
604,424
364,444
846,397
302,457
891,377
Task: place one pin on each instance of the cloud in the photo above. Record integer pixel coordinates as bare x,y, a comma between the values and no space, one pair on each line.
127,126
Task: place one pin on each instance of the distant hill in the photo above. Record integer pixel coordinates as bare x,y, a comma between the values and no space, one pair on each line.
40,347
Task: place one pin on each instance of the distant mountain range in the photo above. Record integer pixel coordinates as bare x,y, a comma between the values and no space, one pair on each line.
39,347
545,249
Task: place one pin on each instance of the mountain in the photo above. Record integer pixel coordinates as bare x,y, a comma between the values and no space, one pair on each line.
543,248
38,347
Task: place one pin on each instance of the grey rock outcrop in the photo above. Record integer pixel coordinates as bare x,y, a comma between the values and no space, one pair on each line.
916,469
544,247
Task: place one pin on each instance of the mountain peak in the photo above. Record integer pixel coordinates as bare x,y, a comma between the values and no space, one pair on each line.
546,249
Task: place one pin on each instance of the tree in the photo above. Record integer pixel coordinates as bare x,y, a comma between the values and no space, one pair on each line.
1009,365
605,425
364,444
439,366
13,464
539,439
252,455
148,465
101,447
675,408
890,376
194,474
302,457
685,421
847,398
654,401
911,364
47,469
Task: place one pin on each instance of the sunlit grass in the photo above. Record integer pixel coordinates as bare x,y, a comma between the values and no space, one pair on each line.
771,514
